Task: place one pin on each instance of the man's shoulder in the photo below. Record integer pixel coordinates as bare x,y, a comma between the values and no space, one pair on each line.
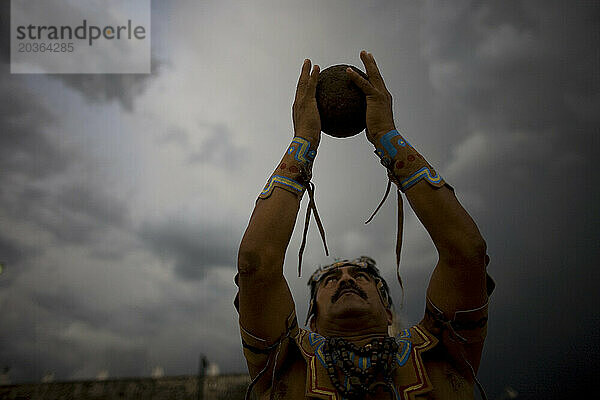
418,335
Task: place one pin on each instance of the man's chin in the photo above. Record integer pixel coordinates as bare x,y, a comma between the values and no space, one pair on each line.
350,304
349,294
350,308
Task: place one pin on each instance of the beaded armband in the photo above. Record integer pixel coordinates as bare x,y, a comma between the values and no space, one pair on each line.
405,165
293,173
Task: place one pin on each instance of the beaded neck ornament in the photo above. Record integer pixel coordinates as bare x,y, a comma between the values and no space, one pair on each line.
358,371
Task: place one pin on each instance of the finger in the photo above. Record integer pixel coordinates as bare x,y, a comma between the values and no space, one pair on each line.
372,70
311,87
303,80
361,82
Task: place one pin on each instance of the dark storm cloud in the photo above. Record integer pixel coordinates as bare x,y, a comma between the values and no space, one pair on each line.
45,207
4,32
530,65
10,252
12,256
514,89
95,88
194,247
218,148
102,88
55,342
523,80
74,213
88,207
24,148
28,156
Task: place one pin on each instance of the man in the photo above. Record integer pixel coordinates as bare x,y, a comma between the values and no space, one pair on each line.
348,353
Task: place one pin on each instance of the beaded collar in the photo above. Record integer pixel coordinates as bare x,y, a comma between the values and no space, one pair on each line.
357,371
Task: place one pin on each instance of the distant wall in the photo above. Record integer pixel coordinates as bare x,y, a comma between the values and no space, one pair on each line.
167,388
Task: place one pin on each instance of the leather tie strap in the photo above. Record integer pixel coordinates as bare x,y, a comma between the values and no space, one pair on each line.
312,207
399,231
387,192
294,174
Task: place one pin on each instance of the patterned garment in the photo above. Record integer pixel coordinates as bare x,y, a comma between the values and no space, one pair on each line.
428,362
409,376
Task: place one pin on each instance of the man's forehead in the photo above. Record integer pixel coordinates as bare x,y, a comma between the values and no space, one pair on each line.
351,269
365,263
339,270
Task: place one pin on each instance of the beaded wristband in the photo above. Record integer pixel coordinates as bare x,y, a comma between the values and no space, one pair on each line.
294,171
293,174
405,165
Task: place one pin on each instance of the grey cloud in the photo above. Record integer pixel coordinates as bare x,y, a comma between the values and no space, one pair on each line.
175,135
518,66
102,88
39,196
509,76
13,256
99,205
75,337
95,88
194,247
35,348
24,148
29,158
35,313
511,100
218,148
73,213
9,251
123,88
5,32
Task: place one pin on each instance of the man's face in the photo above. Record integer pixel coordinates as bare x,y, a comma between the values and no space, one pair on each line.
349,292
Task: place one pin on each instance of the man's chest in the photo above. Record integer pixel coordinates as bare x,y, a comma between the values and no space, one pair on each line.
294,383
447,384
297,381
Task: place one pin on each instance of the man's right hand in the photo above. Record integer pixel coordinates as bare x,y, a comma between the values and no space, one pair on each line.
380,119
305,114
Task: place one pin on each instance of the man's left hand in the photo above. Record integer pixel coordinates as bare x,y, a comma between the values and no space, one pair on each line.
380,119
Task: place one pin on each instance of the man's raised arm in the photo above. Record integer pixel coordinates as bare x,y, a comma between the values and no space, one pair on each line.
458,283
265,301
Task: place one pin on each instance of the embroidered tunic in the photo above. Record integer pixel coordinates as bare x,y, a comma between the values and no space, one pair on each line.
427,365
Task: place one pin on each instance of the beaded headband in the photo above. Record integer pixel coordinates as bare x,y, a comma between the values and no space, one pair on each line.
365,263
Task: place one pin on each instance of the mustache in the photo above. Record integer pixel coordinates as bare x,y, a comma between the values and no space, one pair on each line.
350,285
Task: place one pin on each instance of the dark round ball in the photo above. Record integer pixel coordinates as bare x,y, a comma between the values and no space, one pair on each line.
342,105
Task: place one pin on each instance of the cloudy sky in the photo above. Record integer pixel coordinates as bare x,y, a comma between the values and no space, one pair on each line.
124,197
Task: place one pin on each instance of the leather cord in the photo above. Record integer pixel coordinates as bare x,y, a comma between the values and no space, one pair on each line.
311,208
399,231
